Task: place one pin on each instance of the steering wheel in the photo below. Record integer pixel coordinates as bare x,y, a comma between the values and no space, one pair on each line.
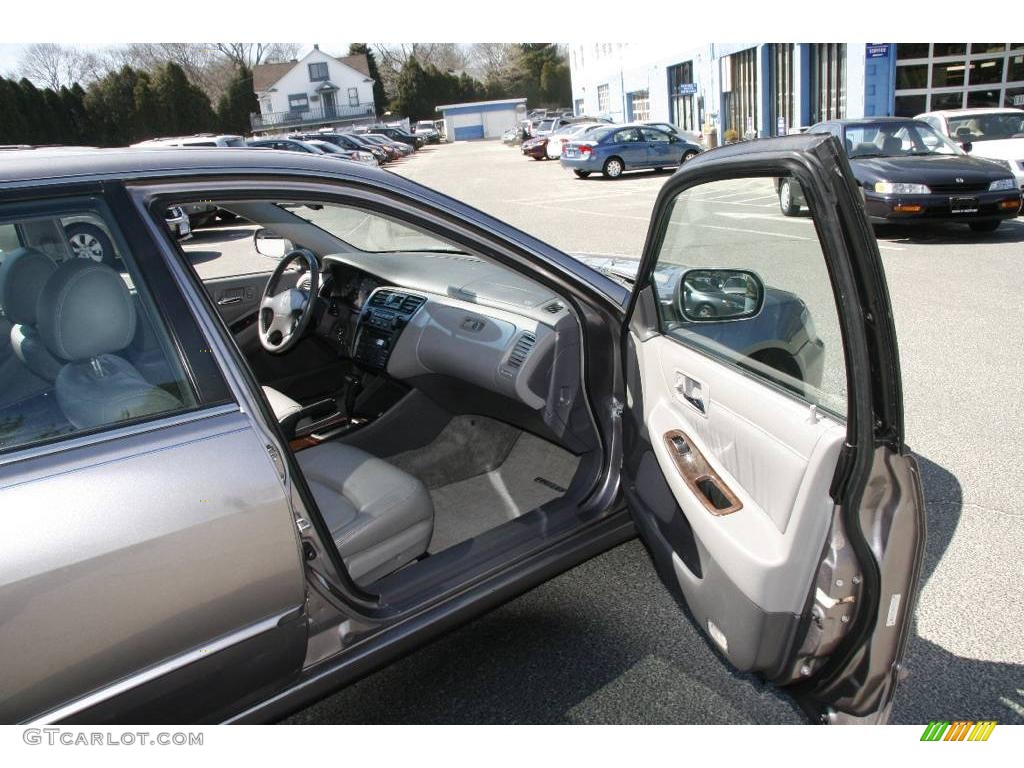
284,316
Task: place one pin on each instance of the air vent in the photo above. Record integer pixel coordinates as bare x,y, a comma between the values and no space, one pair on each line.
412,303
554,307
379,298
521,350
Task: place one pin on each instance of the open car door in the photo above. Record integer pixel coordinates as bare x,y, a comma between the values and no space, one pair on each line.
764,461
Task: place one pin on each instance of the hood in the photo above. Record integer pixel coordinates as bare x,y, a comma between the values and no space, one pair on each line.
926,169
1001,149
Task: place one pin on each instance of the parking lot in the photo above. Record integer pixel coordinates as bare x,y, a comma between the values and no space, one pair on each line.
604,644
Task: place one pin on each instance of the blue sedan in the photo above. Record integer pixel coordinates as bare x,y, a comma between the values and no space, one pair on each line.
619,148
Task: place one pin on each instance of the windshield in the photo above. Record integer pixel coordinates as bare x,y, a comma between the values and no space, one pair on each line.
988,127
366,231
327,147
895,139
235,142
545,125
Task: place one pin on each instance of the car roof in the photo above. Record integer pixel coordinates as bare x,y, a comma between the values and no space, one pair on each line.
25,168
869,120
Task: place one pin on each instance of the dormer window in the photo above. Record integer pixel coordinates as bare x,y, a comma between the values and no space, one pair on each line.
317,71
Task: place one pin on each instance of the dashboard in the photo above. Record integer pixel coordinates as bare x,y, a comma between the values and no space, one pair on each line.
468,334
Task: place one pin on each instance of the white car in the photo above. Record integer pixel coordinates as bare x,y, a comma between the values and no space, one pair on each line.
426,130
993,133
565,134
199,140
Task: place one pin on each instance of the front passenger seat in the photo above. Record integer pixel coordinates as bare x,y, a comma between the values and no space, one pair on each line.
380,517
85,315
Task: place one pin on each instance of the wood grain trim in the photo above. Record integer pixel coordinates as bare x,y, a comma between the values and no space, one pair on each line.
696,472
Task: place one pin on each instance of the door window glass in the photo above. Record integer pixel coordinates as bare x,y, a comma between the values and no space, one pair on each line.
86,348
656,136
737,278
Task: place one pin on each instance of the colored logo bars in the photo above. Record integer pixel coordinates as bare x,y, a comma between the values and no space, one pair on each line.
961,730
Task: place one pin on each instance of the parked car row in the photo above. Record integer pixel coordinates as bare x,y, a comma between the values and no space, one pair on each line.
909,172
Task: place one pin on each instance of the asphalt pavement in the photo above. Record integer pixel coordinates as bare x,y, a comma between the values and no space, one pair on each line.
603,643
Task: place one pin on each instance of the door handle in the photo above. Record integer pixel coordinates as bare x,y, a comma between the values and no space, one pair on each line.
229,300
692,391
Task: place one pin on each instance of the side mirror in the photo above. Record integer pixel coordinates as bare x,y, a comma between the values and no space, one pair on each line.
967,146
713,295
270,245
673,139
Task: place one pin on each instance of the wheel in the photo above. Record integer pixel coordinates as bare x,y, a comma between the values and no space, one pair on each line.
787,204
985,226
87,241
687,156
613,168
582,174
705,311
537,157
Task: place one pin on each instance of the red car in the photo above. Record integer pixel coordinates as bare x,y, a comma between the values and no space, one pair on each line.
537,147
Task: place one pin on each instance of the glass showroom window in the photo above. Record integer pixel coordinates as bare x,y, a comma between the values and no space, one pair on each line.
739,92
782,89
681,105
933,76
602,99
828,81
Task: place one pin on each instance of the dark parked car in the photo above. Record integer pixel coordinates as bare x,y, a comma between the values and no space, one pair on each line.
347,141
908,173
400,412
620,148
398,134
314,148
536,147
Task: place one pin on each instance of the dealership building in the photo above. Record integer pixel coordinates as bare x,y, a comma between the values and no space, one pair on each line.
765,89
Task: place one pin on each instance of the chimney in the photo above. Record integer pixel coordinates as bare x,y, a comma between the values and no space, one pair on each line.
316,46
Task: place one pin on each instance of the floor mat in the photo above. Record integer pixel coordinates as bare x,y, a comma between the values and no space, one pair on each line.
534,473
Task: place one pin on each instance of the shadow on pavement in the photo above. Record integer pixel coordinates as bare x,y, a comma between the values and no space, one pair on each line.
941,685
1010,231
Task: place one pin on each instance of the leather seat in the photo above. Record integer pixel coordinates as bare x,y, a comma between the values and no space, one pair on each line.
282,405
380,517
22,277
85,315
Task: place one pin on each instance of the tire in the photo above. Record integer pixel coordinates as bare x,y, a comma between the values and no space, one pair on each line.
87,241
687,156
582,174
613,168
984,226
705,311
787,204
536,157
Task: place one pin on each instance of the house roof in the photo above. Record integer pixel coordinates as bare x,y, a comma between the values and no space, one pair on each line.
264,76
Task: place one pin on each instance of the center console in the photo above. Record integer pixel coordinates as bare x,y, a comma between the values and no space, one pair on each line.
386,313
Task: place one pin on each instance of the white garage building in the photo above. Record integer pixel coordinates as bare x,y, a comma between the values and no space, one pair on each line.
481,119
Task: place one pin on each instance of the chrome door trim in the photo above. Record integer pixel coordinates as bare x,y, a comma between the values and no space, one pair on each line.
154,672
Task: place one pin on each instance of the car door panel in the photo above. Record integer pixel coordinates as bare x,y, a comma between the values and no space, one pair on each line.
793,536
186,534
239,295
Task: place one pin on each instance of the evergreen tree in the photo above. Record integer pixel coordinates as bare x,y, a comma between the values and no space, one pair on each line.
380,97
237,104
183,107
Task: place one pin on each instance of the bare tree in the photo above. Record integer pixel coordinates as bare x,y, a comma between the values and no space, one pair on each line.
251,54
447,57
493,61
52,65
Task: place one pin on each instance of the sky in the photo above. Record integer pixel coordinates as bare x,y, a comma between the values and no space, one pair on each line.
10,53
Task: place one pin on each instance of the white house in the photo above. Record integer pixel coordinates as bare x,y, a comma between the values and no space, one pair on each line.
315,91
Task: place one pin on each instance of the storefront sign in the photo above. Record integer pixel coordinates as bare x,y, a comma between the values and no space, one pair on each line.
687,89
877,50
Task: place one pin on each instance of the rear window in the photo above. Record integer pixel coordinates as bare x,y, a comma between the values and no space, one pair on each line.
236,142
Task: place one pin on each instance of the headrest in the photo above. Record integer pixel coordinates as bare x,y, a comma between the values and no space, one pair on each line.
891,145
85,310
22,276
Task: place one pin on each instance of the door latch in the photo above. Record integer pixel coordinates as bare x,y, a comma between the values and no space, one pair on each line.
692,391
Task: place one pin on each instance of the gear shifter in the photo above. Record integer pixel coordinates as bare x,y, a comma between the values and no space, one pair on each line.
353,388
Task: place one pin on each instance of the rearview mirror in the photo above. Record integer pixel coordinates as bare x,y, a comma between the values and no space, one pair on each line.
711,295
270,245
